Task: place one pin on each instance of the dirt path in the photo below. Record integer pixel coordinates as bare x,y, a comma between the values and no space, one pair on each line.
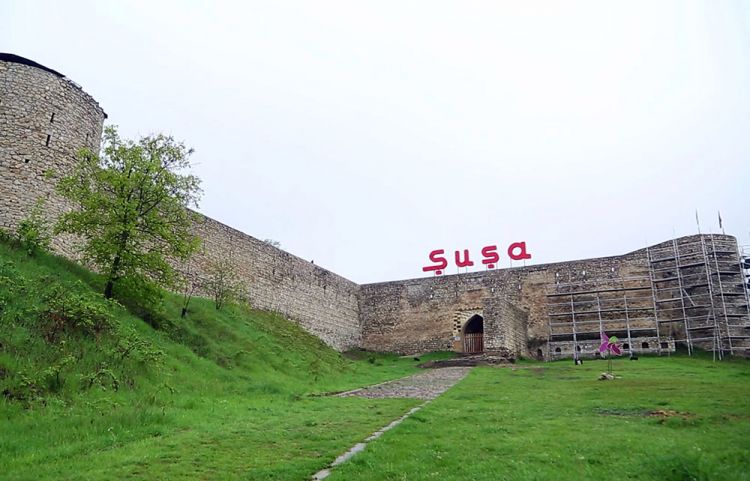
426,385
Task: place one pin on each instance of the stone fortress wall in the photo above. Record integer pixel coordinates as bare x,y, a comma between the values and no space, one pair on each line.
45,119
323,303
428,313
688,290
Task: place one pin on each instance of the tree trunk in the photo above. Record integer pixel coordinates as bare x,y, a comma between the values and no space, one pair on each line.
108,290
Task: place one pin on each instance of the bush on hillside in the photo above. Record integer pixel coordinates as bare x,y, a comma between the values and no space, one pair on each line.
61,337
74,311
34,232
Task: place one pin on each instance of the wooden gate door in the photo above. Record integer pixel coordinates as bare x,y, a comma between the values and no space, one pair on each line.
474,342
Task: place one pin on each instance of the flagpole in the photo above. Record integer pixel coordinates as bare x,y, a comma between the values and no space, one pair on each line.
697,221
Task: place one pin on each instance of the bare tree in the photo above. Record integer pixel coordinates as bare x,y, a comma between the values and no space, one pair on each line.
223,283
191,282
273,243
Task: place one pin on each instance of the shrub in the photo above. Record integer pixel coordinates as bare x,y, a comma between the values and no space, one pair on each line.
103,377
131,345
77,311
12,284
5,236
53,374
26,390
33,232
141,297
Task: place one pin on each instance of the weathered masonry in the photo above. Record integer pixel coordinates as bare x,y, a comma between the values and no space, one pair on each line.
688,291
45,119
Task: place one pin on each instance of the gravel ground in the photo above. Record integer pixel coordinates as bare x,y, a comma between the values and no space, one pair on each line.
425,385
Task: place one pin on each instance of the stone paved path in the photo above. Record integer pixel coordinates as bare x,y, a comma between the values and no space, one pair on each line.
426,385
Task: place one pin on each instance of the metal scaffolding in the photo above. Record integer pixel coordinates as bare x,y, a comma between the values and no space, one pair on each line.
699,293
693,291
579,311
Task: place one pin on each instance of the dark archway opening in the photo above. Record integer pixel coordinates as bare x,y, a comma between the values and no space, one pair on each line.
474,335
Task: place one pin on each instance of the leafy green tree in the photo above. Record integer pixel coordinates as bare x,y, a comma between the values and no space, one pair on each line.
132,208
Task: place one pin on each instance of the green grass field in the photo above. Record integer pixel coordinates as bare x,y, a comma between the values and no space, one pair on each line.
235,394
673,418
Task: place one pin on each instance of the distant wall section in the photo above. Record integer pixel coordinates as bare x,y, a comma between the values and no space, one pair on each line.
425,314
323,303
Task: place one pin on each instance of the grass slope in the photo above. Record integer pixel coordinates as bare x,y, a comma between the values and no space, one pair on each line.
218,395
673,418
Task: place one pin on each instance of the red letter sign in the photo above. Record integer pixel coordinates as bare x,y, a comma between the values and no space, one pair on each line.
491,256
442,262
522,255
463,263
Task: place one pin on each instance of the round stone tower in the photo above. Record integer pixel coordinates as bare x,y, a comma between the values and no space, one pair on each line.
45,119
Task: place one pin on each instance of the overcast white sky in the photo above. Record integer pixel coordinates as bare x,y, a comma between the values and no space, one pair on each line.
365,134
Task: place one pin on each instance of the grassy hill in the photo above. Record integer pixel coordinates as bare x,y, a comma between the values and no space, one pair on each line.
90,390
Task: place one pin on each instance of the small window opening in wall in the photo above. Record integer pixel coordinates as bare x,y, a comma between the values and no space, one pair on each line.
664,345
46,143
644,345
578,348
558,350
52,118
626,346
26,161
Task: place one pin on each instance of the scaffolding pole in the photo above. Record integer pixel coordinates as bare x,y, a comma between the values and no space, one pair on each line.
721,292
653,297
682,299
627,324
710,290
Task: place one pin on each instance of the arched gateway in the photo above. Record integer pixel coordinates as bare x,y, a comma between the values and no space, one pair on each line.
473,335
